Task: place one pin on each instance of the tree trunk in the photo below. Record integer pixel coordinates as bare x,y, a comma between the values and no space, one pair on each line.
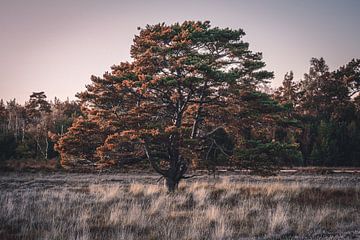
171,184
16,128
23,132
46,148
194,130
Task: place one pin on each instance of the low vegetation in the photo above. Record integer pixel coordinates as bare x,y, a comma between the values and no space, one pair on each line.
89,206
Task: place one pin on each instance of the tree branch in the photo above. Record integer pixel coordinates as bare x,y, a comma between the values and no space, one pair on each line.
153,164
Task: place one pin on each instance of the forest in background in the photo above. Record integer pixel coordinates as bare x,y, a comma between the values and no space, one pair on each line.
326,120
311,122
26,130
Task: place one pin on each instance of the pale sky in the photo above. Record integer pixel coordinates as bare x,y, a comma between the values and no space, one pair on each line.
55,46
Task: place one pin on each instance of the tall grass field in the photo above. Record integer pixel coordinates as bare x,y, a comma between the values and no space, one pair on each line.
129,206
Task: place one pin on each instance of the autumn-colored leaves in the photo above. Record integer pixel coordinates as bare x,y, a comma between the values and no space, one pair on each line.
185,81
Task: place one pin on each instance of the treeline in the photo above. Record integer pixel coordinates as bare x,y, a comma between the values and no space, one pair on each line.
26,131
320,118
327,107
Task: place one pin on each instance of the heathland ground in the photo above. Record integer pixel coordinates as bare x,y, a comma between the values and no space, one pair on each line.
136,206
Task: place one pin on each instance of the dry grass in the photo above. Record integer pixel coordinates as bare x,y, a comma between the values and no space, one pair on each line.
220,209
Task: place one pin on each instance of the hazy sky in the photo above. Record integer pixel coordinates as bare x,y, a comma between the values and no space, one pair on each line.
54,46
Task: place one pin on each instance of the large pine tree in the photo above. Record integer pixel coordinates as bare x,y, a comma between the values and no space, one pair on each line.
189,87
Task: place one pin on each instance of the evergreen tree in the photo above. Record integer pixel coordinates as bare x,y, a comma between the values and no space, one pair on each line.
186,81
327,110
288,92
37,105
350,75
38,122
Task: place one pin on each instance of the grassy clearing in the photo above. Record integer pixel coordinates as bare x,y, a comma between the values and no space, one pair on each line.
221,209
